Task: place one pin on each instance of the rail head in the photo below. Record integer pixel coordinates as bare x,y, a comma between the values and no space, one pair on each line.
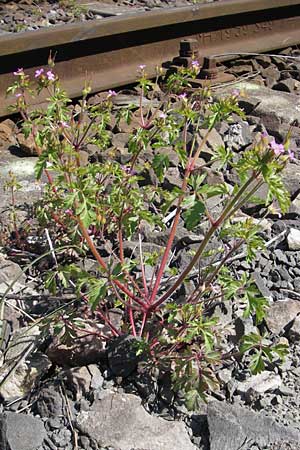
66,34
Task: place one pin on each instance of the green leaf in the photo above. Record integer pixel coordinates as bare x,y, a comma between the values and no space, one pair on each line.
249,342
257,364
193,400
281,350
257,305
160,163
189,201
193,215
97,292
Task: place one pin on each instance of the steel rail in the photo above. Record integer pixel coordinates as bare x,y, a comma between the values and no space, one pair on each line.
107,52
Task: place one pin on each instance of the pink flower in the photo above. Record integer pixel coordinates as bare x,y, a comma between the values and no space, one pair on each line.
195,64
38,73
235,92
69,212
264,135
18,95
162,115
277,148
142,66
111,93
182,96
19,72
50,75
291,155
64,124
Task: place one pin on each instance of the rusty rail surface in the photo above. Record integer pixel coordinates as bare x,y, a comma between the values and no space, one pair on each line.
107,52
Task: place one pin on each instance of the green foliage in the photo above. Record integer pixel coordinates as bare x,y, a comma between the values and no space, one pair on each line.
107,208
261,351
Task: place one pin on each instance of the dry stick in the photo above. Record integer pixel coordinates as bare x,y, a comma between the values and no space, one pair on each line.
23,356
15,307
256,54
69,415
296,294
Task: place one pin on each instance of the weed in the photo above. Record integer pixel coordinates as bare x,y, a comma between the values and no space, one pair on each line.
100,206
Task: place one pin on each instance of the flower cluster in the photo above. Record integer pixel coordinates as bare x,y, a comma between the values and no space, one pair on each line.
280,150
41,74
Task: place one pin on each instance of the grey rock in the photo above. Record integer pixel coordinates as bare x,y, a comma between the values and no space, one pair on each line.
238,136
21,381
31,368
280,314
120,421
261,383
293,239
291,176
295,206
97,378
172,178
236,428
20,432
9,271
261,285
79,380
128,99
294,331
274,111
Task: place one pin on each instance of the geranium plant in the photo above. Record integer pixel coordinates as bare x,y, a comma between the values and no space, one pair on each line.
101,206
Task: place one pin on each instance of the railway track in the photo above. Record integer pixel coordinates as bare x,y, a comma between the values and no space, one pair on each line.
107,52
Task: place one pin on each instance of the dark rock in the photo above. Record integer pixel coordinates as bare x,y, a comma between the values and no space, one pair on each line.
294,331
122,358
261,285
288,85
61,438
50,402
264,61
131,248
291,175
172,178
284,274
238,136
21,432
88,349
236,428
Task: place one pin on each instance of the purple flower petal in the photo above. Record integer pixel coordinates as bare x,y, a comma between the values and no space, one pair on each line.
50,75
277,148
19,71
291,155
38,73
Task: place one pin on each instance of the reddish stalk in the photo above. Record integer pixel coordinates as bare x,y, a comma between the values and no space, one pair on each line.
189,168
143,267
103,317
95,252
203,244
